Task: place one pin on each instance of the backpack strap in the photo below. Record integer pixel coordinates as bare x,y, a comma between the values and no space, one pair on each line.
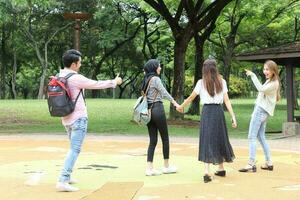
81,91
69,75
148,86
147,91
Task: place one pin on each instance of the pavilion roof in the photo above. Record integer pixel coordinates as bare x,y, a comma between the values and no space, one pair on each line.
286,54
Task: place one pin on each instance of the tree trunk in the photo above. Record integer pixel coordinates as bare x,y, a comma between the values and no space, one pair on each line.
42,84
3,64
228,52
122,90
25,93
199,44
178,83
13,77
227,58
44,63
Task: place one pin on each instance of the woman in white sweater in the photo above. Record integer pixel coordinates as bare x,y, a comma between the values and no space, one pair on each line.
268,95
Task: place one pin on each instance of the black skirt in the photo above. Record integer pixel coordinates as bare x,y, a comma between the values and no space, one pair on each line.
214,145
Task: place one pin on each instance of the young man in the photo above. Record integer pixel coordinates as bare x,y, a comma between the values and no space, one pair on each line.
76,122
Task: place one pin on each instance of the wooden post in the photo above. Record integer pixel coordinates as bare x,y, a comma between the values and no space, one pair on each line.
77,35
78,17
290,93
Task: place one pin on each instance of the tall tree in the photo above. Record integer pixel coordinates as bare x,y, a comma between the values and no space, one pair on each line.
38,25
189,18
200,39
115,31
240,24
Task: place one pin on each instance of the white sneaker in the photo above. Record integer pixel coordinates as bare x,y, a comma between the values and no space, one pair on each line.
73,181
65,187
152,172
169,170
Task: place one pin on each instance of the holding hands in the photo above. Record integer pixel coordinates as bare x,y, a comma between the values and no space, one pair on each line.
175,104
180,109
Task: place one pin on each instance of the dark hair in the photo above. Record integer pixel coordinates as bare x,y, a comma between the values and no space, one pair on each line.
71,56
211,77
150,68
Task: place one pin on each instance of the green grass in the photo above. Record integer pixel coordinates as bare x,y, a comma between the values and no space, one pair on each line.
108,116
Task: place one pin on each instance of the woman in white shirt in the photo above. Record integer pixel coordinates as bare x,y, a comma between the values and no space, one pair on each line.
214,145
268,95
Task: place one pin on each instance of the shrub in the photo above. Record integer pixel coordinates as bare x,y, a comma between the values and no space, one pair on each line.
238,87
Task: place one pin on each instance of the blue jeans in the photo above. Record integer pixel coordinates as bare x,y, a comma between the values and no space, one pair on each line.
257,130
76,132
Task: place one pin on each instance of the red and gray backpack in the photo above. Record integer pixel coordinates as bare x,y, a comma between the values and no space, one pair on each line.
60,102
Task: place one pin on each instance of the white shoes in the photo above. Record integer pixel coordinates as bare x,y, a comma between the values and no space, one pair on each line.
65,187
152,172
165,170
73,181
169,170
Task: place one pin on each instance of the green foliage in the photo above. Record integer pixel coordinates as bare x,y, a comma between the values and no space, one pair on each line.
189,85
114,117
238,87
27,81
113,22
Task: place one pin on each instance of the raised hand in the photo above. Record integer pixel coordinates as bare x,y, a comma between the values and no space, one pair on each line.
248,72
118,79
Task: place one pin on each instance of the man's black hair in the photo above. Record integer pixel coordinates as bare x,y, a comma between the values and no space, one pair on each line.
71,56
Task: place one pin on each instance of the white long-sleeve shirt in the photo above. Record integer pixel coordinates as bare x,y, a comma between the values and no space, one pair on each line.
267,94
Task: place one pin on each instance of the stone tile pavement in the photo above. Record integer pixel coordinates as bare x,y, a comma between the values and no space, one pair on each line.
276,142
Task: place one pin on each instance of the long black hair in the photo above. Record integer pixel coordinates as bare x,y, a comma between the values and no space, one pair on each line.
150,70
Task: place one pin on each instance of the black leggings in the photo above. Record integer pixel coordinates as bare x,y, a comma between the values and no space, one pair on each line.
158,123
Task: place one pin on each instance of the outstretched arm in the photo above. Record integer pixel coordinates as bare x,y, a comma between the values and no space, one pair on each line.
86,83
186,102
162,90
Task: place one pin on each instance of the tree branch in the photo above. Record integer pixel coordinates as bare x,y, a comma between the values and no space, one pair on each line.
162,9
198,5
57,31
216,8
189,8
179,12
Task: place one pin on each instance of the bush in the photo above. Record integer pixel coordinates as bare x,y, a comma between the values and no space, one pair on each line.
238,87
188,86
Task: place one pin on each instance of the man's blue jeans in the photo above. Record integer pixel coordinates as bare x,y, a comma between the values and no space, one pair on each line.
257,130
76,132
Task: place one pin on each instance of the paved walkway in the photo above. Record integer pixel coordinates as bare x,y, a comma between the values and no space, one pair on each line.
277,143
112,164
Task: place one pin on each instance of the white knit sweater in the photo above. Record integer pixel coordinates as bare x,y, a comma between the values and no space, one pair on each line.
267,94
